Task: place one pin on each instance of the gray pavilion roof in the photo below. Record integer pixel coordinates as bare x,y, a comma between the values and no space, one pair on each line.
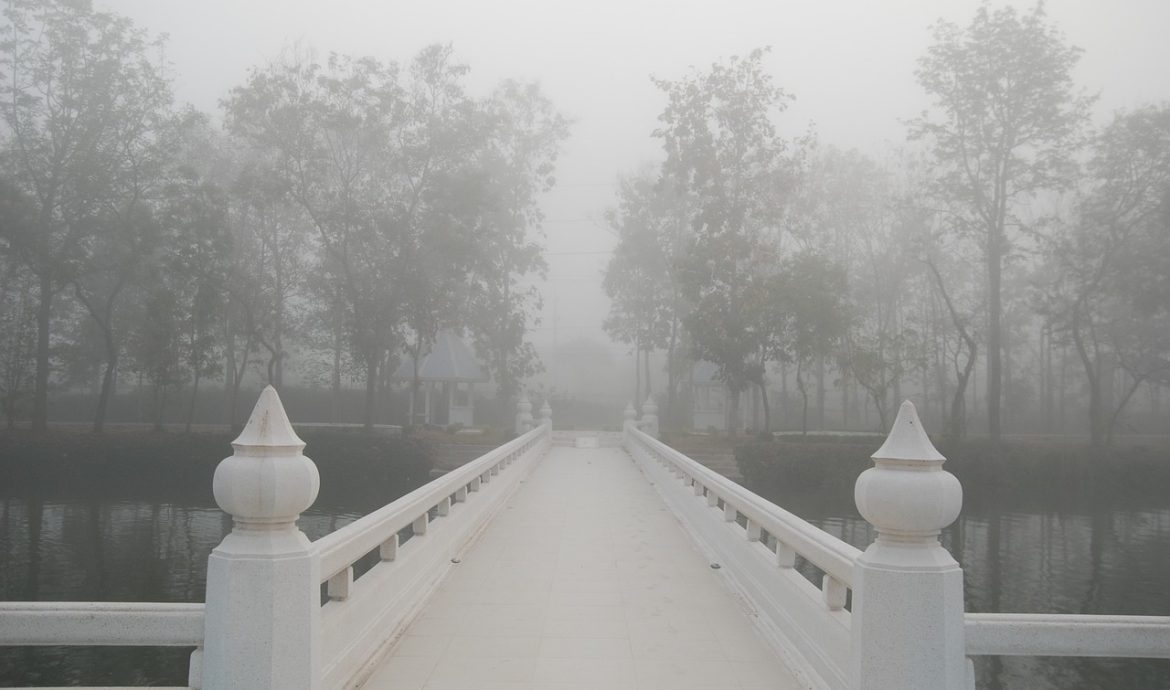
450,359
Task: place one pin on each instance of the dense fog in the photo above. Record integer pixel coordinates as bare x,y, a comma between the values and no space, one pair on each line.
767,217
455,247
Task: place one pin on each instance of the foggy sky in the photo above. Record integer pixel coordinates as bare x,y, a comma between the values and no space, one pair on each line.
849,64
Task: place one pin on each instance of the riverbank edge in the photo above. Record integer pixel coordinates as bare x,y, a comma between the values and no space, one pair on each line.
181,464
1046,472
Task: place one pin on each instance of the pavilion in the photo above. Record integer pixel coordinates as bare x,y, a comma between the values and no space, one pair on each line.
448,374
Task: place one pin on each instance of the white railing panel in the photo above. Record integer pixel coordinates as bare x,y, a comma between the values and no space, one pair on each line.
128,624
358,629
1025,634
343,548
791,611
826,552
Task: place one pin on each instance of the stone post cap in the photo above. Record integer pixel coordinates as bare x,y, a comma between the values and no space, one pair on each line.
630,412
545,410
266,483
650,407
907,439
907,495
524,405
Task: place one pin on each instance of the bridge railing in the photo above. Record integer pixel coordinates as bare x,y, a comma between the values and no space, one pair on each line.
105,624
757,545
282,613
437,520
1042,634
905,626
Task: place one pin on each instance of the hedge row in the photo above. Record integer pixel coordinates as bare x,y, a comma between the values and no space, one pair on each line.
357,470
1043,473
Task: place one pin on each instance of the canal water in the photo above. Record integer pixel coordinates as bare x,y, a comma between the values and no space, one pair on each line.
100,546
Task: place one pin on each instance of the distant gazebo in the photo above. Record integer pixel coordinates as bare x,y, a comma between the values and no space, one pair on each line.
448,374
709,401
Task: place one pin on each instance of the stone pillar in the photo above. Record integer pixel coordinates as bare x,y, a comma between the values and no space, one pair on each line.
628,417
650,416
523,415
546,413
907,623
262,617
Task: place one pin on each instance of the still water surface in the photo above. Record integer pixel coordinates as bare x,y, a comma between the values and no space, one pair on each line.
103,547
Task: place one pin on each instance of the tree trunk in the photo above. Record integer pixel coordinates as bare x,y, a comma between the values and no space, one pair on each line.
1120,406
646,359
733,413
1063,399
638,379
1046,378
671,416
821,392
40,412
159,397
336,380
1092,374
846,391
371,390
994,333
191,402
278,326
107,390
803,398
229,368
957,420
767,408
416,384
237,381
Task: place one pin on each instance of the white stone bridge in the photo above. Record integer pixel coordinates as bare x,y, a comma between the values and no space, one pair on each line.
579,561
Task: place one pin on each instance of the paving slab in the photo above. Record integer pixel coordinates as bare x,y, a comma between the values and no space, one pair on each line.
584,580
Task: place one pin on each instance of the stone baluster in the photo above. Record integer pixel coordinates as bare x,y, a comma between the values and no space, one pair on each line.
546,414
907,623
262,617
650,417
523,414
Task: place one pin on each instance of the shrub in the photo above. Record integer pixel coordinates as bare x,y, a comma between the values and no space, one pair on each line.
1050,473
359,471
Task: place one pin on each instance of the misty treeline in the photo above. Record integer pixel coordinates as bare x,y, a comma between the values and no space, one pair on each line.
1011,243
346,211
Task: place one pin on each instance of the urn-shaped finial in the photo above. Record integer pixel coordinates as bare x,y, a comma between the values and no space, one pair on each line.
650,416
546,413
907,495
267,482
630,414
523,414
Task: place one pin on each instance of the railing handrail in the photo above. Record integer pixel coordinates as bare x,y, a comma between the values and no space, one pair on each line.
340,549
100,623
820,548
1031,634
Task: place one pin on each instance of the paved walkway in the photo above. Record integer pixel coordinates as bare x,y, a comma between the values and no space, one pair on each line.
584,580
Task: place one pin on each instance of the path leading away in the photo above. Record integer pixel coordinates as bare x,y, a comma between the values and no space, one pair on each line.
584,580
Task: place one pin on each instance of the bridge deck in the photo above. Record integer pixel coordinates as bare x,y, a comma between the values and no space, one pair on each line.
584,580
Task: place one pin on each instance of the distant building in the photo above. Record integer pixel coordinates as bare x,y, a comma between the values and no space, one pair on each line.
710,408
708,398
447,374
